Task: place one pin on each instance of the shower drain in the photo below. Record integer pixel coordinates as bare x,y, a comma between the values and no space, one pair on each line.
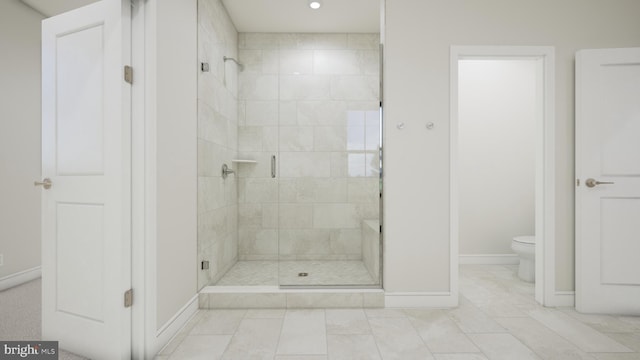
303,274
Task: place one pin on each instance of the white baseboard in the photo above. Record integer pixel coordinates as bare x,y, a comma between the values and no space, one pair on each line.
420,300
490,259
19,278
175,324
562,298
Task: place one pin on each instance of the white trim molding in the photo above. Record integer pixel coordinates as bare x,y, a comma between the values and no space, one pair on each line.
545,292
420,299
562,298
489,259
20,278
171,327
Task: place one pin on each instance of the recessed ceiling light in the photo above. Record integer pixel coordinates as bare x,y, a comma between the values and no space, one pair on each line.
315,4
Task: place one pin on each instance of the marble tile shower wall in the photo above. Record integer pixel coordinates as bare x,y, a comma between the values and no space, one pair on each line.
311,100
217,141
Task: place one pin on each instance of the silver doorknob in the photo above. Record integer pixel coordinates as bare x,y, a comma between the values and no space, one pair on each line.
593,182
46,183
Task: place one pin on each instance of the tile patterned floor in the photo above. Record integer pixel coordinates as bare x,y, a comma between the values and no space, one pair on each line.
497,319
331,272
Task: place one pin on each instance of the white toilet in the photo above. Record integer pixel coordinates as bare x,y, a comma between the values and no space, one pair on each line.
525,247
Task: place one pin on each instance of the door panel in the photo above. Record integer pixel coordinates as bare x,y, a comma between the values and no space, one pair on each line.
80,247
86,232
79,88
608,150
619,87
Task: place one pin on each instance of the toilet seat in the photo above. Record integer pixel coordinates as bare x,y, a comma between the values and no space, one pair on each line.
527,239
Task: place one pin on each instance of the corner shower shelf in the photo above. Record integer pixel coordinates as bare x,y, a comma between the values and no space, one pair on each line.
243,161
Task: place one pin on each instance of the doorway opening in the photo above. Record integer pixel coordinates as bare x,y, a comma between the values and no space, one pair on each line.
502,168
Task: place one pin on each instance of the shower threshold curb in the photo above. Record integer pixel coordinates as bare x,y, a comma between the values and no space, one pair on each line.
275,297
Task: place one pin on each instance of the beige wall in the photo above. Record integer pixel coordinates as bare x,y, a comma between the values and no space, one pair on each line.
418,37
19,137
176,116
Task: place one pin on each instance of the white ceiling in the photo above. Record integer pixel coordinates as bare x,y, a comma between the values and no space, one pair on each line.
55,7
359,16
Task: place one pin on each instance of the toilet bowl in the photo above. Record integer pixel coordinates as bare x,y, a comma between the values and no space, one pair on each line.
525,247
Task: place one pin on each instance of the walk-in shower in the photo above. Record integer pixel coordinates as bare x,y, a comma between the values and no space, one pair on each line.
298,120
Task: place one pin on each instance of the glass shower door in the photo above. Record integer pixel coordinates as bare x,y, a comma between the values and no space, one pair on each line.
328,163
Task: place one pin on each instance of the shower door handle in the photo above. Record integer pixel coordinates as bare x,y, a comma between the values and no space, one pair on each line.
273,166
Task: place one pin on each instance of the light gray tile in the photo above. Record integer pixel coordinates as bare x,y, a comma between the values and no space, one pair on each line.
296,216
203,301
301,357
335,216
307,87
265,314
373,300
470,319
330,138
576,332
247,301
546,343
336,62
217,322
296,62
617,356
196,347
630,340
324,300
347,321
352,347
255,339
439,332
354,87
322,113
261,113
303,332
397,339
304,164
296,138
460,357
502,347
602,323
384,313
258,87
633,320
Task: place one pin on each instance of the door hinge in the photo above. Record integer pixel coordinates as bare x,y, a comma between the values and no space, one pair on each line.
128,298
128,74
577,182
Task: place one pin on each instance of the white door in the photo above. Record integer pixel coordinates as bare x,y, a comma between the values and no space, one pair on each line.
608,168
86,230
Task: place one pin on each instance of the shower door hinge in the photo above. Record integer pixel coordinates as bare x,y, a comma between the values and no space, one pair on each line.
380,229
128,298
128,74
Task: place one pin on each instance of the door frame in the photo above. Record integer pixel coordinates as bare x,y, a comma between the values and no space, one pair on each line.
545,289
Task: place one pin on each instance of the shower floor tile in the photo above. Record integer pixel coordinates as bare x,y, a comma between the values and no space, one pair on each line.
331,272
251,273
320,272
